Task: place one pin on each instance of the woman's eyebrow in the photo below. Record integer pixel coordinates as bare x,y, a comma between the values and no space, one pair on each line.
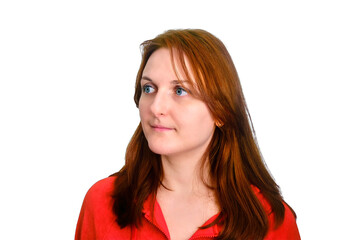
146,78
180,82
172,82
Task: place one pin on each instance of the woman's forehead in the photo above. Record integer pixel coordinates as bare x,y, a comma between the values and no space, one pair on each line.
177,64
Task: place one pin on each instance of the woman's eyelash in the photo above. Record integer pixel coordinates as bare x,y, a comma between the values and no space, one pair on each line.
180,91
148,88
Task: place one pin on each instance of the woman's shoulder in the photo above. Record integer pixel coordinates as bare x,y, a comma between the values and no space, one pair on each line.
96,218
287,229
99,197
102,187
100,191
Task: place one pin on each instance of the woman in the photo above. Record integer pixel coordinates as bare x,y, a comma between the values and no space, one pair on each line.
193,169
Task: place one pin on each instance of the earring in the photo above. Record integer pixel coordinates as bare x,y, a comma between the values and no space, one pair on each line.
219,124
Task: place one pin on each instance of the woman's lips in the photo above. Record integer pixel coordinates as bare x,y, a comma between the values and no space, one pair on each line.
160,128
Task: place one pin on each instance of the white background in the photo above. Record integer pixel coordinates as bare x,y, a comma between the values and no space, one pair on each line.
67,71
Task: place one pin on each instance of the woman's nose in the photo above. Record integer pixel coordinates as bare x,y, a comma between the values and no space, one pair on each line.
160,104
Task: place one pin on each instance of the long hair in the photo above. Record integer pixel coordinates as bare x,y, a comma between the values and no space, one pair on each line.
235,161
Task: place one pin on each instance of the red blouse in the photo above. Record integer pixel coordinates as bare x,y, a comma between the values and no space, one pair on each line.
97,220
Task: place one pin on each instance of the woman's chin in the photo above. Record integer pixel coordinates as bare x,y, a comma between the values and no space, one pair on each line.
162,149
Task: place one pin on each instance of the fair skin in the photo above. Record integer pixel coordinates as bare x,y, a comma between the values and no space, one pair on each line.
179,127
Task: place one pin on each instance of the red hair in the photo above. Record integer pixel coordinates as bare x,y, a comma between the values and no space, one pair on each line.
234,157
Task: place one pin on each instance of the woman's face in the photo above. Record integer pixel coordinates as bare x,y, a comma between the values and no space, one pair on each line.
175,123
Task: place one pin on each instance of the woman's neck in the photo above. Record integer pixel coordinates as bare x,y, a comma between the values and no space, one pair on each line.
183,175
186,201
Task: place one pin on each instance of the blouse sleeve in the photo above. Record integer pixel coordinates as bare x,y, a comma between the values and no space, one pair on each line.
96,212
287,230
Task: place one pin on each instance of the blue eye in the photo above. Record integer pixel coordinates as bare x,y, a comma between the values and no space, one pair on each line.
148,89
180,91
